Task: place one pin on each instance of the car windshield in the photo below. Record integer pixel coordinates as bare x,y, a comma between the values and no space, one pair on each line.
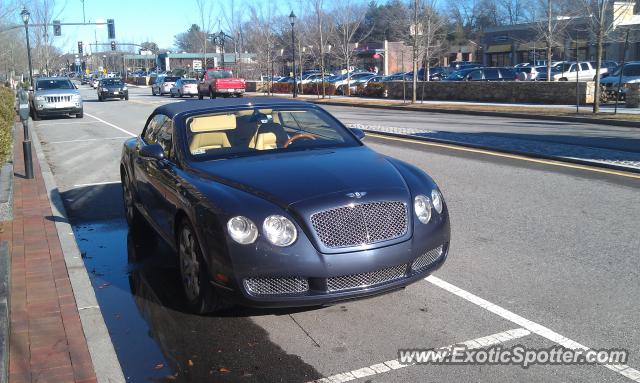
629,70
564,67
219,74
54,84
112,82
255,131
458,75
171,79
190,81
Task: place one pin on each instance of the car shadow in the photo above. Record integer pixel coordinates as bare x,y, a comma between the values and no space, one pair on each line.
137,283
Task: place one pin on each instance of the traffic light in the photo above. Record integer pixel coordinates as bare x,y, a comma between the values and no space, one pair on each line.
113,45
111,28
57,30
79,48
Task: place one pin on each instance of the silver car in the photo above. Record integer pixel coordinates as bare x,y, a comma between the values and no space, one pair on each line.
630,75
163,85
56,96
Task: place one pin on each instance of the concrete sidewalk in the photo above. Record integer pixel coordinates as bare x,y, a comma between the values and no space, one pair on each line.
47,341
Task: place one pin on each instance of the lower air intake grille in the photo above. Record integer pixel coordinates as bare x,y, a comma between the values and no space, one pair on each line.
427,259
372,278
276,285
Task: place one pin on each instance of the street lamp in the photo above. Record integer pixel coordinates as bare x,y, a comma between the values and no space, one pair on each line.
24,110
25,18
221,36
292,20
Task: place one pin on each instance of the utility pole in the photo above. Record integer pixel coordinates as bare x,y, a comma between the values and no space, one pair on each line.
415,52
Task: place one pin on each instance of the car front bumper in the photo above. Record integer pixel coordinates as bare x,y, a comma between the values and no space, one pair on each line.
114,94
312,278
57,109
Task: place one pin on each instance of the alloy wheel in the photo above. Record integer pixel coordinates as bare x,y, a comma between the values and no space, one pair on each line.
189,265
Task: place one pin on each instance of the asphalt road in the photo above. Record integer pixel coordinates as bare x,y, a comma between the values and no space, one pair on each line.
553,245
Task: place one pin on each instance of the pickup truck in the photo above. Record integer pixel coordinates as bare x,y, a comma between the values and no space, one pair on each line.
220,82
567,71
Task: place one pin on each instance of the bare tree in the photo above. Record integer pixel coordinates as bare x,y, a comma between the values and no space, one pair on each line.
604,17
347,18
205,11
551,29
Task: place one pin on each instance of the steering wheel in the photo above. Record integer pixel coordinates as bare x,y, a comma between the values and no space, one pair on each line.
299,136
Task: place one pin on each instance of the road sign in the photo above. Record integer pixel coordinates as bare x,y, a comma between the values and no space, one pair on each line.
197,64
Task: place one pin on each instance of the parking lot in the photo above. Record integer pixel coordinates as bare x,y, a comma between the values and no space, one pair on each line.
541,255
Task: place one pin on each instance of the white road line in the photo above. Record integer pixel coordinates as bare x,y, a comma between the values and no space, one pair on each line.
535,328
96,184
111,125
394,364
86,140
63,123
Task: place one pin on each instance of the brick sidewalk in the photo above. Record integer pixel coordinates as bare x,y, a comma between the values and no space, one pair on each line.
47,343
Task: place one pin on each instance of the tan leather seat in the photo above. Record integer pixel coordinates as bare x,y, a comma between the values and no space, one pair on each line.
265,141
210,132
210,140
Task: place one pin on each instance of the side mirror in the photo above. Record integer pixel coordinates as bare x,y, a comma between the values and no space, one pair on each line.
30,89
358,133
153,151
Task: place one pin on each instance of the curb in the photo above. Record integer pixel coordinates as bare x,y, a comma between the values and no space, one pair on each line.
5,266
582,120
6,192
103,355
508,151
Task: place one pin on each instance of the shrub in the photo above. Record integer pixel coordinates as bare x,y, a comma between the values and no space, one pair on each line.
282,87
7,118
374,89
316,89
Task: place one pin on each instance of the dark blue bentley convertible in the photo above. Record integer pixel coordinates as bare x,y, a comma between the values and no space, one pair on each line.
270,202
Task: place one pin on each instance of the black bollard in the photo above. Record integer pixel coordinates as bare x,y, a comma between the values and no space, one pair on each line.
26,151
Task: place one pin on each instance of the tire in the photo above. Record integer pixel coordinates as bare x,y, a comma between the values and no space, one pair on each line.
180,94
200,96
131,213
126,97
80,115
153,91
172,95
239,95
201,297
190,96
564,79
35,116
212,94
100,99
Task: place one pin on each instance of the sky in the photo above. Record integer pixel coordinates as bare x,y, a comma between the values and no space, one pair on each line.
141,20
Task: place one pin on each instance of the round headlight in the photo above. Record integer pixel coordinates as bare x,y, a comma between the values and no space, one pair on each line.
422,208
279,230
242,230
436,199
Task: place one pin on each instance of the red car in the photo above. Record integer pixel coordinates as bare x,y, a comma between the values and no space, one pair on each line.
220,82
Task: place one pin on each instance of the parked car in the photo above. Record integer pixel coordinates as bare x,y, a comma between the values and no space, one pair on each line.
606,67
112,88
85,79
351,78
401,76
567,71
94,81
527,73
483,74
163,85
56,96
464,64
273,202
630,75
220,82
184,87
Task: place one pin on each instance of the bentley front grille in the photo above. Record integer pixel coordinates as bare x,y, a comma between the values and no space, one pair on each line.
361,224
424,261
58,98
363,280
276,285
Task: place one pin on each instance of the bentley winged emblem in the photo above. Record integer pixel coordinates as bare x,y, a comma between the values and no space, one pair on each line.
356,194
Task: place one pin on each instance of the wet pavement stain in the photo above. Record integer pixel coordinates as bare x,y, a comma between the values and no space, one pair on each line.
136,282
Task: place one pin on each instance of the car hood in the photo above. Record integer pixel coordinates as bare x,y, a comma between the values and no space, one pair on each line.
289,178
113,86
51,92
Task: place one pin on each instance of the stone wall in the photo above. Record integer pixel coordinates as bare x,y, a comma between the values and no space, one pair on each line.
535,92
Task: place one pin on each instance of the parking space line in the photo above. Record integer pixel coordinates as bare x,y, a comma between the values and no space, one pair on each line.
535,328
395,364
111,125
87,140
40,124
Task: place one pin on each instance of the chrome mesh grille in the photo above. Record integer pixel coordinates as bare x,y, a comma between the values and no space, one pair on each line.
58,98
370,279
276,285
360,224
427,259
